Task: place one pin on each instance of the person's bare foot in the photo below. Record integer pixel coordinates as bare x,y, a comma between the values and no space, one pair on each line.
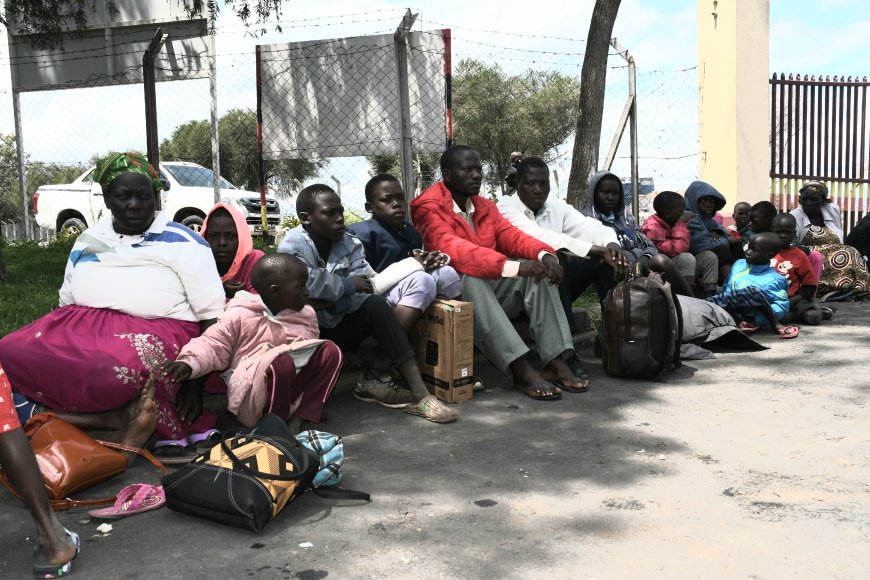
529,382
141,419
557,371
58,549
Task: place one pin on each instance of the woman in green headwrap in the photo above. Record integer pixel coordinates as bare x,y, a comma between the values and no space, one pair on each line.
137,287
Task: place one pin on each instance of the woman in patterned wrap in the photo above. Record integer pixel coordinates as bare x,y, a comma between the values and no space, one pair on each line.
137,287
819,227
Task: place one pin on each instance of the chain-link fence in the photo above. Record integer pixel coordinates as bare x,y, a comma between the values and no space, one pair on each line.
322,100
499,82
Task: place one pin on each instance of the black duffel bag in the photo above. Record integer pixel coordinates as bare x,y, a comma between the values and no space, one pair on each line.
248,478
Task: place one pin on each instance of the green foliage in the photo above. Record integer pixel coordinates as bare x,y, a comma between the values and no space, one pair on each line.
38,174
425,167
47,20
36,274
237,131
255,13
350,217
10,203
289,222
497,113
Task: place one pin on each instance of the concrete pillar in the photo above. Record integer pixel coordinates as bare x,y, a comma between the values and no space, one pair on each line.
733,98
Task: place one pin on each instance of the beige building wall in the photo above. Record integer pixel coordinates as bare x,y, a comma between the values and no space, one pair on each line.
733,98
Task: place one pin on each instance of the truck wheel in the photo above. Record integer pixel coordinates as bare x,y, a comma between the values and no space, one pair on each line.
72,227
194,222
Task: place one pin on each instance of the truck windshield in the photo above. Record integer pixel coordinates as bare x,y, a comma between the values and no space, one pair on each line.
194,176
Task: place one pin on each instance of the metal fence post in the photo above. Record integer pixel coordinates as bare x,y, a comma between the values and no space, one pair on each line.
632,132
151,101
407,144
215,138
629,116
22,166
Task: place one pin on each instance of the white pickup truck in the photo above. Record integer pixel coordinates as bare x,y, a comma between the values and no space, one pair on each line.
189,196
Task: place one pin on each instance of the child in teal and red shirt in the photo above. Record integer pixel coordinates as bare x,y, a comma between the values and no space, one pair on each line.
794,264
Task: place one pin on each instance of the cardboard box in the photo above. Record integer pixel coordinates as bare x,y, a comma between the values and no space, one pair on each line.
445,349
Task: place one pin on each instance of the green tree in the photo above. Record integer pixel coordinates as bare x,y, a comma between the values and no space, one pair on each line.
497,113
37,174
8,177
237,131
10,198
425,167
47,20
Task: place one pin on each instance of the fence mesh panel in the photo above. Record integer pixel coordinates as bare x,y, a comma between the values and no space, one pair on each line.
64,129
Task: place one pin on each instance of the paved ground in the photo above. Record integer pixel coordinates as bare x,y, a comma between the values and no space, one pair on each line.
751,465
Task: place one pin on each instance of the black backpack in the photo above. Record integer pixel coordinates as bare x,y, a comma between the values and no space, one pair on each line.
640,330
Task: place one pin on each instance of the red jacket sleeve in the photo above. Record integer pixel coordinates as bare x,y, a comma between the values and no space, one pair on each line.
466,257
805,273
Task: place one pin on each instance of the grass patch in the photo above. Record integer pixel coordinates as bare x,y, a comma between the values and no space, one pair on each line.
36,275
588,299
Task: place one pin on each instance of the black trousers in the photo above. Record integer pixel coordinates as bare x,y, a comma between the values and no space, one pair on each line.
577,274
374,318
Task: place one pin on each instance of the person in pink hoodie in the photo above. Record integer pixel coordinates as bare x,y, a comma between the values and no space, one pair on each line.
227,233
268,347
668,229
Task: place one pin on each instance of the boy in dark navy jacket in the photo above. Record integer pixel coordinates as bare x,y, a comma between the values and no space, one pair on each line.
390,241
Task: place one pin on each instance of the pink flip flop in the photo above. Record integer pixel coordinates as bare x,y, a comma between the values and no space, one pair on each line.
789,332
133,499
746,327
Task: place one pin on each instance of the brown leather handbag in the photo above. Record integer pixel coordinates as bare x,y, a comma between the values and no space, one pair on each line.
71,461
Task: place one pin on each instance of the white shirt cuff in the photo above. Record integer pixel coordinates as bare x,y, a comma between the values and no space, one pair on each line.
545,253
510,269
579,247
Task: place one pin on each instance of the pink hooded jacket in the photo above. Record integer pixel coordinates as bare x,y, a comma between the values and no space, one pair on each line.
246,255
246,339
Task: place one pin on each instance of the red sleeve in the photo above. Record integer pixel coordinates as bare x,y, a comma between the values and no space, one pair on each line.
466,257
805,274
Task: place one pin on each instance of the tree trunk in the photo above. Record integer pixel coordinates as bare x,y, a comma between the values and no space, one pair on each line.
587,137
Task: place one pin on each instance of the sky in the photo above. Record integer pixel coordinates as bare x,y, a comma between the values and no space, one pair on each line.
825,37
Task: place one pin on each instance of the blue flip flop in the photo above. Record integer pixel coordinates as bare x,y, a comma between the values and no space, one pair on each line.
42,568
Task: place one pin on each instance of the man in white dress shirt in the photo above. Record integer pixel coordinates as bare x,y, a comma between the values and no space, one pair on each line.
588,251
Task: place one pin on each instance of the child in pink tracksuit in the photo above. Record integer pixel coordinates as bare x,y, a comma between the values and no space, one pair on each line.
268,347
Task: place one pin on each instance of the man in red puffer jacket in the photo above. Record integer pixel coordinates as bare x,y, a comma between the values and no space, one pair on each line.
484,248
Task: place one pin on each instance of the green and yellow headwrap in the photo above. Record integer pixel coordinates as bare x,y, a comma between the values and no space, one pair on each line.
815,187
108,168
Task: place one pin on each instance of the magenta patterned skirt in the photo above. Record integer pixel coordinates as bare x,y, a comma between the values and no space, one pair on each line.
85,360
